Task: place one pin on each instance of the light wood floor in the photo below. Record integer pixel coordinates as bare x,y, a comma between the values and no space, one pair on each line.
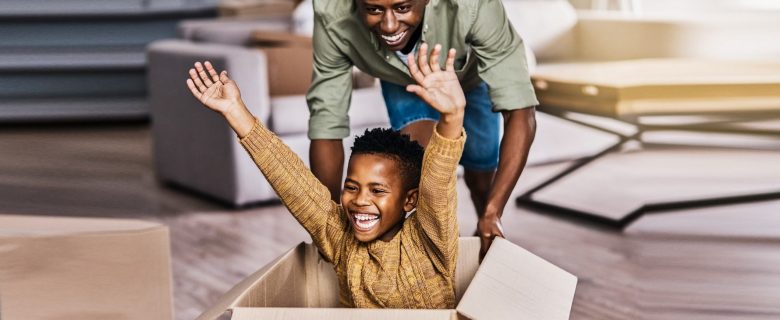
711,263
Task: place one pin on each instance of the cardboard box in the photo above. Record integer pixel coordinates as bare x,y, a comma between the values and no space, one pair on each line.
84,268
290,61
511,283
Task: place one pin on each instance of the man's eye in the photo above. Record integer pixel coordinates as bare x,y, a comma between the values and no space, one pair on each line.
404,8
373,10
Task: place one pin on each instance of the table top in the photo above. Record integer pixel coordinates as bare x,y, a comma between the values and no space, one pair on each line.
624,89
627,73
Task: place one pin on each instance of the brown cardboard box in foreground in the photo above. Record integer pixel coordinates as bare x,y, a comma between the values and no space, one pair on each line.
290,61
84,268
511,283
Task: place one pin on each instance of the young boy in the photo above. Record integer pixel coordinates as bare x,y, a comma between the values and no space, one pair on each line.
383,259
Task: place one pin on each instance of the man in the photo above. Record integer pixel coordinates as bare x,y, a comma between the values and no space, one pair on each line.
376,36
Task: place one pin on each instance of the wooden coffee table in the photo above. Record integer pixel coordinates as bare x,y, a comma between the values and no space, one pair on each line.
741,98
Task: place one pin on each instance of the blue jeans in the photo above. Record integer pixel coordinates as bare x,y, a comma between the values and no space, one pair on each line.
482,124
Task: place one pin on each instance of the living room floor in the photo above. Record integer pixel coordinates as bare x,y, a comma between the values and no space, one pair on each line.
715,262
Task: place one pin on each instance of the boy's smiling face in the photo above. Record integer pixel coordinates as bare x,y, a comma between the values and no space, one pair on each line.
375,197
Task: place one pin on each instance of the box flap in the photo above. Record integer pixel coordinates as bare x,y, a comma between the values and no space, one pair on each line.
243,289
513,283
322,285
467,264
340,314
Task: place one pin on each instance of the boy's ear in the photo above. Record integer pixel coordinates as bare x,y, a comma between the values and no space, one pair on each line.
411,200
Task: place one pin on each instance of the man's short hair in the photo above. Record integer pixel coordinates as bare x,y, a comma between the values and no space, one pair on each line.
396,146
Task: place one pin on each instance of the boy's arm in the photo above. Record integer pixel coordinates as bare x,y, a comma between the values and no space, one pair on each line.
437,203
306,198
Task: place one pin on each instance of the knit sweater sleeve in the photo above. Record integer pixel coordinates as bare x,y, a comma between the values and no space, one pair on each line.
437,203
301,192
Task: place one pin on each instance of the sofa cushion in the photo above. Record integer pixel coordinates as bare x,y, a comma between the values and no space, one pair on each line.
290,114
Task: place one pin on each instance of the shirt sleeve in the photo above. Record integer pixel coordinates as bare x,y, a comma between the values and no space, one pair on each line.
438,200
501,58
304,196
331,88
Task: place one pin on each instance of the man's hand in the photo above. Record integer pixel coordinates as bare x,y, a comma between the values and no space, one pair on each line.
488,228
218,92
439,88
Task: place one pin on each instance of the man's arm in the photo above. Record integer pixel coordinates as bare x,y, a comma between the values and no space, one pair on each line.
519,132
328,99
502,65
326,157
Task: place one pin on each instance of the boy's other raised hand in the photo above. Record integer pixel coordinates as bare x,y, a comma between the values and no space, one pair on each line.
439,88
216,91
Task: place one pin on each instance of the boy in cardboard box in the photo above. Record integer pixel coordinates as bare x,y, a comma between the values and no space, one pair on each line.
393,240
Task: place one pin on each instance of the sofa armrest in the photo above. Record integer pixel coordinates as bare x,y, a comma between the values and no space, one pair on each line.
193,146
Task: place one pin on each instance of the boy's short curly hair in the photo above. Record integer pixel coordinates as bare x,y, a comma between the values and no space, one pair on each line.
394,145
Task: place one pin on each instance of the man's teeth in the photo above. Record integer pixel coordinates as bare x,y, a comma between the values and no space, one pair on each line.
394,38
366,221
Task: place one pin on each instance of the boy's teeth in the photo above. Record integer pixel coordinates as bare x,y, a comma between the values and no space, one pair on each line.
366,216
367,224
366,221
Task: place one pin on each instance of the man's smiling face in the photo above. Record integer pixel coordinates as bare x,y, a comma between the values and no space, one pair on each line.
392,21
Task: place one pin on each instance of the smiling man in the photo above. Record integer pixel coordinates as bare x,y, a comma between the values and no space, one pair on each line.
376,36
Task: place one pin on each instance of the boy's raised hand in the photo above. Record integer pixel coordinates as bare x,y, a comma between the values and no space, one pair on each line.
221,94
439,88
216,91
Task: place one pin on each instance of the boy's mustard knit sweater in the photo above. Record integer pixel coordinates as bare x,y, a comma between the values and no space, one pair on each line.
416,269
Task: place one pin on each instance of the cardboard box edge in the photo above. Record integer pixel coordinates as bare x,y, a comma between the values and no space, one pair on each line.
228,300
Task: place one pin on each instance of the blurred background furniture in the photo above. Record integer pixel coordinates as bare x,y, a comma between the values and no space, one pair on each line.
708,72
194,148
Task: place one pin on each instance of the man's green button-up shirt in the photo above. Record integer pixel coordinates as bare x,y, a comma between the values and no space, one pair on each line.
488,49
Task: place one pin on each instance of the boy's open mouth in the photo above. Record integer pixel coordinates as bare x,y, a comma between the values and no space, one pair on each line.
365,221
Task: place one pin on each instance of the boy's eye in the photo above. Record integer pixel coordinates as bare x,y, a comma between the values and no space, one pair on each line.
350,188
378,191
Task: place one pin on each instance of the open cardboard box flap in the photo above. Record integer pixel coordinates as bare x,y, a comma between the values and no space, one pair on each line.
511,283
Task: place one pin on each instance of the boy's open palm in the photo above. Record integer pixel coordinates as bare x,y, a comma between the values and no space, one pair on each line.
439,88
216,91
